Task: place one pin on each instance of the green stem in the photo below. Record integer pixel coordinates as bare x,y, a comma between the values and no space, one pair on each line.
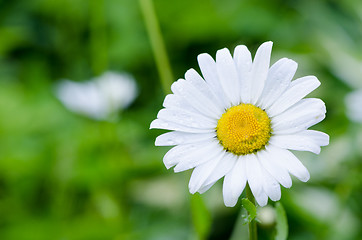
157,44
252,225
98,37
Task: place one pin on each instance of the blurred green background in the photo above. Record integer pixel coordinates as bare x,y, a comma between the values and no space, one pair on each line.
64,176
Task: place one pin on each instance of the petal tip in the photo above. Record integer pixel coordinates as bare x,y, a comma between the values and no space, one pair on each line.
266,45
203,56
305,178
158,141
262,203
152,125
222,54
189,73
168,166
192,190
229,204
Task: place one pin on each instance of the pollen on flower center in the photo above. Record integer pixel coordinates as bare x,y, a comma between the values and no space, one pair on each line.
243,129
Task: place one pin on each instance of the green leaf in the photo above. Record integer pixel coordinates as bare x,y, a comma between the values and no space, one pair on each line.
251,208
282,223
201,216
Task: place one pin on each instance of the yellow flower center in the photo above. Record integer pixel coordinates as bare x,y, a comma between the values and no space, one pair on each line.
243,129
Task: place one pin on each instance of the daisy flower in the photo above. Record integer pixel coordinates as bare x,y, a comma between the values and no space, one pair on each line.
100,97
239,121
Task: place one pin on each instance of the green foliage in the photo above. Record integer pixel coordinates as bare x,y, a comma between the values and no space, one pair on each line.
282,222
64,176
251,208
201,216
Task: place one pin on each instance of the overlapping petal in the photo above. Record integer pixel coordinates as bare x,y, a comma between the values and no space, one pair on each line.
195,98
199,83
167,125
193,159
202,172
255,179
307,140
178,138
243,62
290,162
209,72
270,186
228,76
234,182
279,77
301,116
268,160
297,90
186,118
259,70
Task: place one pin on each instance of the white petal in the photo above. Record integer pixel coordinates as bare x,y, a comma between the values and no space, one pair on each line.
181,152
177,138
199,156
199,83
259,71
173,101
222,168
307,140
196,99
291,162
261,198
271,186
301,116
270,164
253,173
228,76
255,179
297,90
162,124
173,156
318,137
185,118
234,183
202,172
242,58
209,72
205,188
279,77
295,142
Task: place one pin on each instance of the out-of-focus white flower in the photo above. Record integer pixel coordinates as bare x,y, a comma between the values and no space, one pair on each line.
317,201
346,65
266,216
354,105
100,97
343,63
324,206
